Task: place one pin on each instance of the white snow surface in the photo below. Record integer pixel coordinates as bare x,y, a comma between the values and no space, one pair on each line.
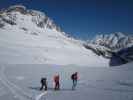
25,43
95,83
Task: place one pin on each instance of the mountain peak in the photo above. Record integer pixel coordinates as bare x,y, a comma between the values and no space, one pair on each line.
16,7
119,34
18,14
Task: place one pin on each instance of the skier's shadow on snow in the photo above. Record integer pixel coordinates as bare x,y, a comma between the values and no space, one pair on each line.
49,89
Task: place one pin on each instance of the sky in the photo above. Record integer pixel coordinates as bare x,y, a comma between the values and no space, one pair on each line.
84,18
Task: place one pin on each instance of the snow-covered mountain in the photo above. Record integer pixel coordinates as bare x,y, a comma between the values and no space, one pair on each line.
11,16
30,36
115,41
111,45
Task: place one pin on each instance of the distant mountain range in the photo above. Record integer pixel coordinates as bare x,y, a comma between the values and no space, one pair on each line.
111,45
115,41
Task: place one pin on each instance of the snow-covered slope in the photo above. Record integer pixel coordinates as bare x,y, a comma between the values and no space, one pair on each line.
29,36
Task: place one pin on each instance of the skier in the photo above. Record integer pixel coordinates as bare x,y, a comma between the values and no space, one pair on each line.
74,78
57,82
43,84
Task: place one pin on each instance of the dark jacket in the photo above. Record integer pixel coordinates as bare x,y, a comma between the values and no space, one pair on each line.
44,81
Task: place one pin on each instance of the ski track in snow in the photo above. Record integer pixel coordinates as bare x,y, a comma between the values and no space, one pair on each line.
2,92
15,90
102,89
38,97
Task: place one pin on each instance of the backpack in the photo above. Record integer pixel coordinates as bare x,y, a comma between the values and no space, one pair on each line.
43,80
72,76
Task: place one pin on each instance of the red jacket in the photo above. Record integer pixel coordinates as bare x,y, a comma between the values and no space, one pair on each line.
56,78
